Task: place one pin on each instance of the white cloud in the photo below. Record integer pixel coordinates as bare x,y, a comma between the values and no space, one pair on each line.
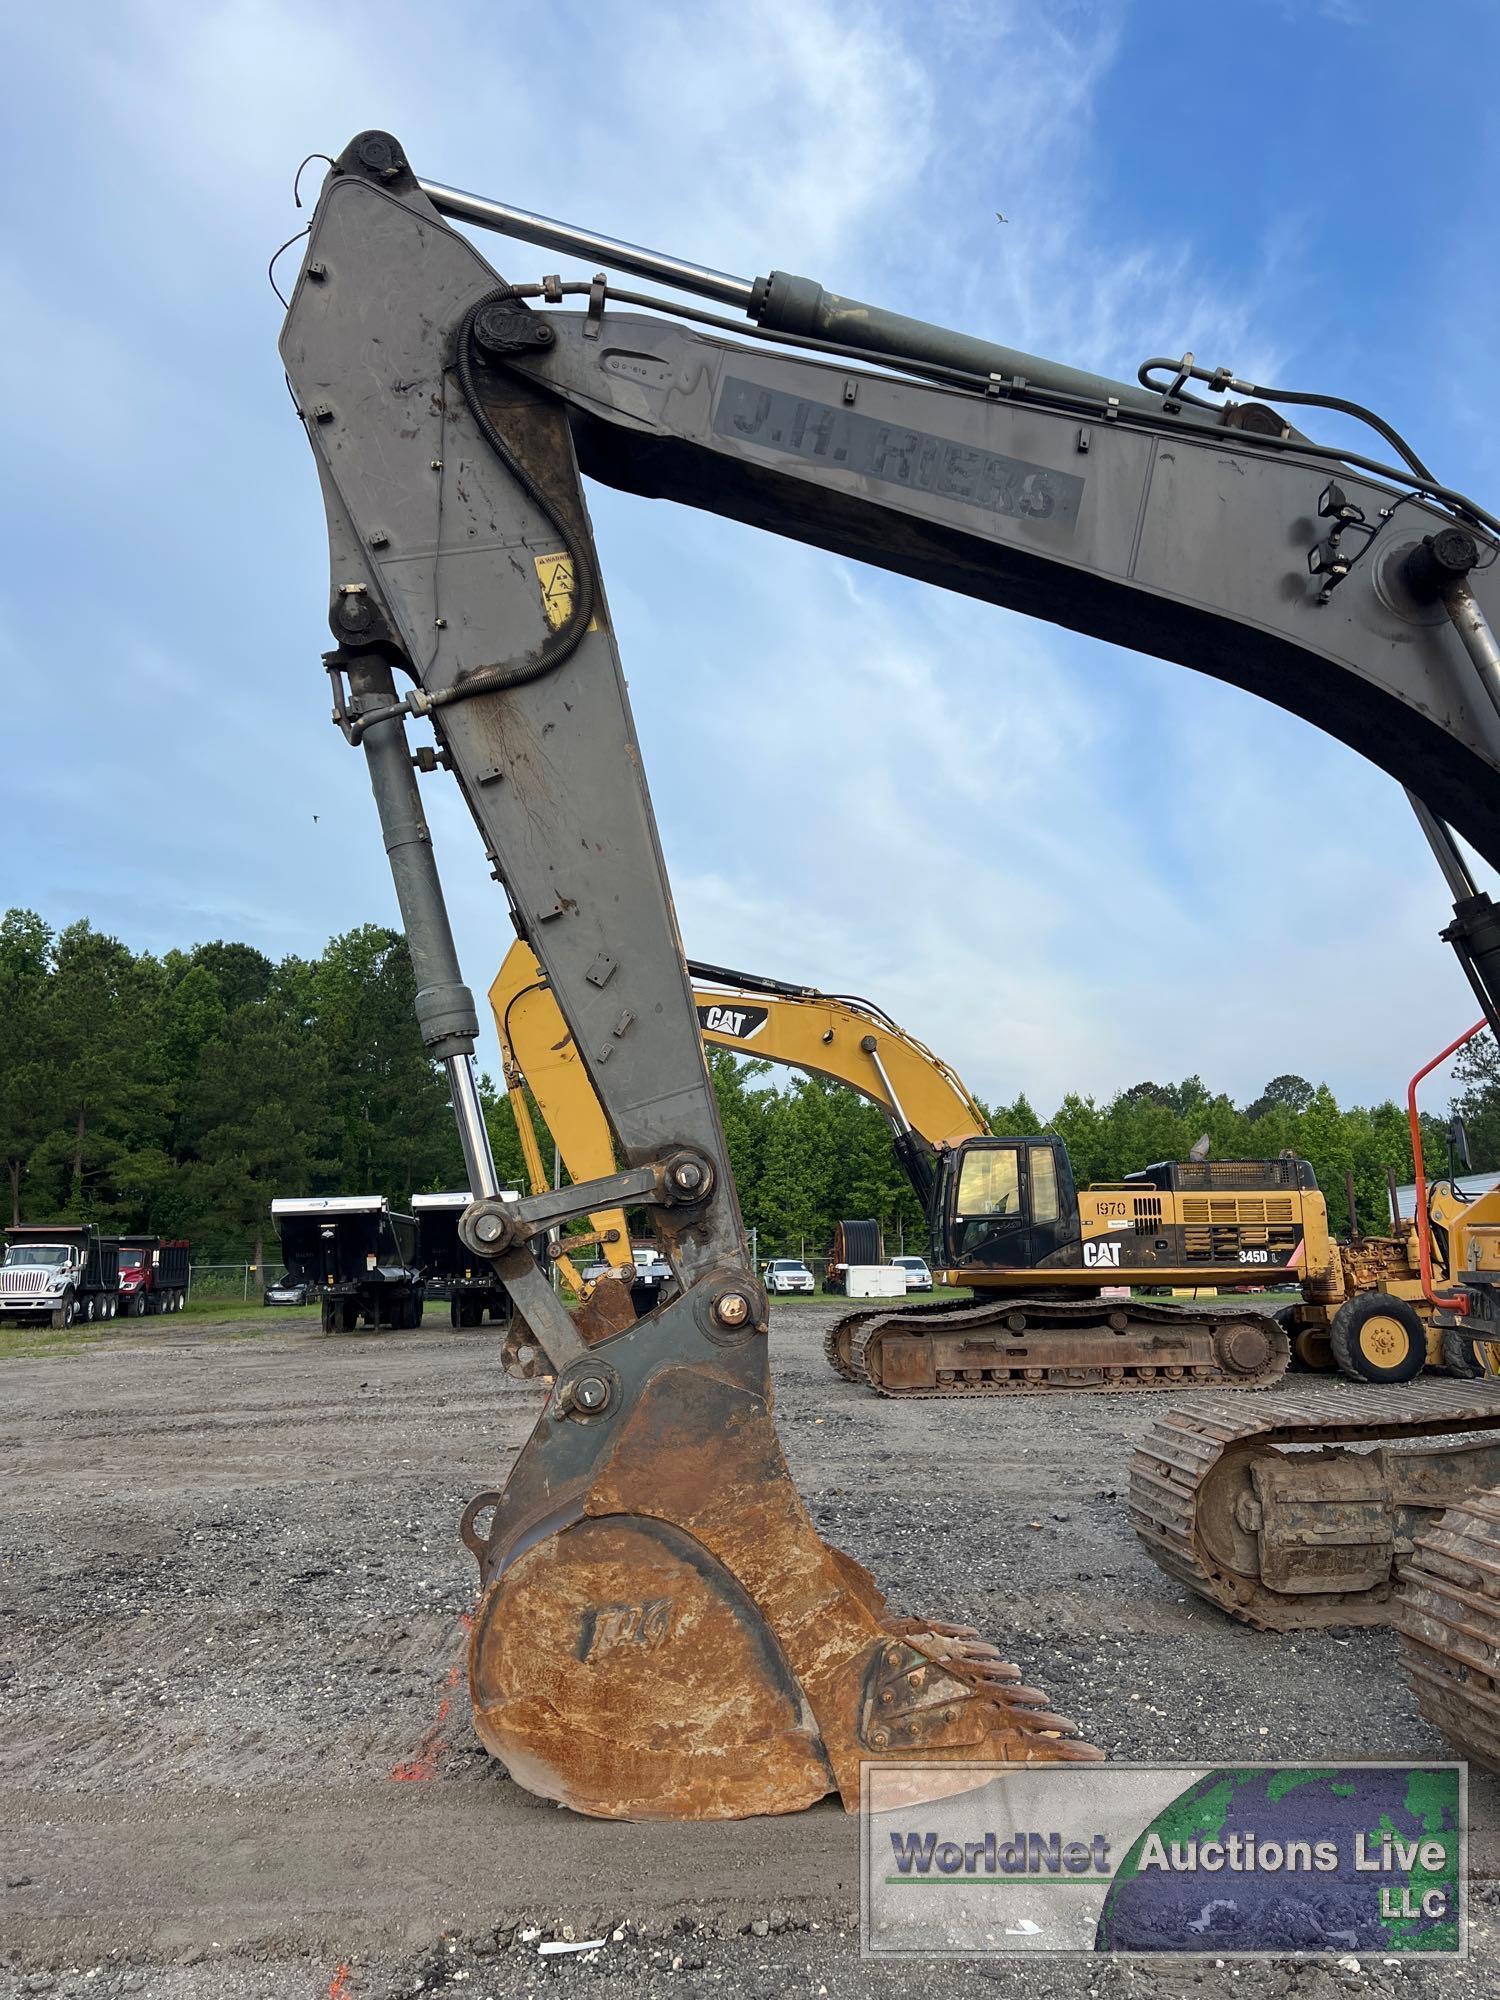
1058,864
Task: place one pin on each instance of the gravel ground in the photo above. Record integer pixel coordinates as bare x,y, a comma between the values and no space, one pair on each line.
233,1604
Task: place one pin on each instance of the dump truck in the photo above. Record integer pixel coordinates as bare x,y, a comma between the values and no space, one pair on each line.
452,1271
154,1274
355,1254
661,1632
58,1272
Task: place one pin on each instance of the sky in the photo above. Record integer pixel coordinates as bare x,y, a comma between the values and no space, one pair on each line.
1061,864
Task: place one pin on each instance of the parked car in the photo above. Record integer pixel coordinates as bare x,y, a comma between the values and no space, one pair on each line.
918,1277
786,1274
287,1291
652,1274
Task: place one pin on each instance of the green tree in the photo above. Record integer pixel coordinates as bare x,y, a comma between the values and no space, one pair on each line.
1015,1120
29,1104
259,1125
392,1124
1476,1072
239,971
1283,1093
108,1095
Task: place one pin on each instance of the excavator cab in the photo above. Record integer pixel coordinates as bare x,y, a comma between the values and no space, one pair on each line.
1003,1204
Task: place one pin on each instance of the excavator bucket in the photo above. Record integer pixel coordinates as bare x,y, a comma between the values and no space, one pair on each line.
662,1633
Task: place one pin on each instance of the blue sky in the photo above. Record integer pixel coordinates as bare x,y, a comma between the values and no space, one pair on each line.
1059,863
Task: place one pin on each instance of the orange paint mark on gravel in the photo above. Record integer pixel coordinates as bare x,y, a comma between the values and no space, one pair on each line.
339,1987
431,1748
423,1764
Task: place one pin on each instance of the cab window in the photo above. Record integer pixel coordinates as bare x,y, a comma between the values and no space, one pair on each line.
1043,1184
989,1182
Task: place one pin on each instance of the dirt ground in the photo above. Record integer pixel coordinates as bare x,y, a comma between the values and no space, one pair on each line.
235,1758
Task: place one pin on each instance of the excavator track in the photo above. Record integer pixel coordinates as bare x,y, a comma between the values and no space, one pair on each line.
837,1341
1262,1509
1448,1618
1031,1346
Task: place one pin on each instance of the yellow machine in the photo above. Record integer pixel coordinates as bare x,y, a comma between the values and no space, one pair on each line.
1384,1323
1003,1212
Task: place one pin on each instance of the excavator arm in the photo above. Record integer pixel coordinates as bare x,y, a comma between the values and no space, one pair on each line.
844,1039
661,1631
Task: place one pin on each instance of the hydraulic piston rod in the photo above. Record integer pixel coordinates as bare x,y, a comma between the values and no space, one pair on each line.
799,306
445,1008
541,230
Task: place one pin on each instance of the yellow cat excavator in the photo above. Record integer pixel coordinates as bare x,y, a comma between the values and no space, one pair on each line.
1004,1212
661,1632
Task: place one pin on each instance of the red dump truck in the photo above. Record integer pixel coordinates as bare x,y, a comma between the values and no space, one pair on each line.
153,1274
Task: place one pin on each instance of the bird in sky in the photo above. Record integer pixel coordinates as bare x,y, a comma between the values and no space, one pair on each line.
1001,218
315,819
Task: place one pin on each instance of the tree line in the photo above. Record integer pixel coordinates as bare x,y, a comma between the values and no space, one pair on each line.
178,1094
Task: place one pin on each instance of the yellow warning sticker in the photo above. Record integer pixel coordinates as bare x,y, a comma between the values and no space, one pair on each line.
555,573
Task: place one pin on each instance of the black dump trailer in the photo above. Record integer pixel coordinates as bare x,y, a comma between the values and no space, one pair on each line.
354,1254
58,1272
450,1270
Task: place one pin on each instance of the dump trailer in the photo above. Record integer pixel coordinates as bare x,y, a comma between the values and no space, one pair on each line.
58,1272
661,1632
355,1254
452,1271
154,1274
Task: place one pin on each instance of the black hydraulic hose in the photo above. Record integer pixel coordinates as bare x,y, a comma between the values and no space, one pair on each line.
561,643
1221,378
749,982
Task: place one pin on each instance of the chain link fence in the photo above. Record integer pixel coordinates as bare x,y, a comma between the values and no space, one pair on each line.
212,1284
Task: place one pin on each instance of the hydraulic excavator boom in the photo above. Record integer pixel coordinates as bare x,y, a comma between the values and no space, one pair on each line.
661,1631
842,1038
